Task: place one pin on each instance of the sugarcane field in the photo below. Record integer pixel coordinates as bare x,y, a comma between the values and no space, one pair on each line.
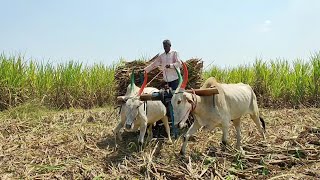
72,136
160,90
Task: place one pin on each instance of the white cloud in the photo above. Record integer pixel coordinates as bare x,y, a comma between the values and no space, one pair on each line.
266,26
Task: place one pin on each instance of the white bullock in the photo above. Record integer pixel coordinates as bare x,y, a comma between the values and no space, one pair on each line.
136,114
129,93
232,102
140,114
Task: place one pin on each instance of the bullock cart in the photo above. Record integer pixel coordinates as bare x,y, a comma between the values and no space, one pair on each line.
165,95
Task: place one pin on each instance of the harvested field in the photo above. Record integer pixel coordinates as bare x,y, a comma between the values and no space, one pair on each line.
36,143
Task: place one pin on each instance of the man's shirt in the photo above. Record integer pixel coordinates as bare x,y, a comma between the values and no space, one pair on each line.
172,59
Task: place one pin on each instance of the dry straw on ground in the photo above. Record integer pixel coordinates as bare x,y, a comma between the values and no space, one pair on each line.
79,144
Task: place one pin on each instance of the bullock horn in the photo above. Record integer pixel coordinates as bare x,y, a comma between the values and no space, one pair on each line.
180,80
185,75
132,80
145,79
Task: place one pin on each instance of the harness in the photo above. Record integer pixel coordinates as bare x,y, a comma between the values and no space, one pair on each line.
193,105
145,107
120,108
194,99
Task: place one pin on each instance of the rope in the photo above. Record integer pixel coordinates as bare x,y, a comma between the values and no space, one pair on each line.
195,100
193,106
208,65
154,78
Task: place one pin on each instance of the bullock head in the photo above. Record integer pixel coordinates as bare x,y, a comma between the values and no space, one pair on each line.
132,108
181,101
132,103
182,104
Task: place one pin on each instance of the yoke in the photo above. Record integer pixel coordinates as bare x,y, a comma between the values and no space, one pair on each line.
165,96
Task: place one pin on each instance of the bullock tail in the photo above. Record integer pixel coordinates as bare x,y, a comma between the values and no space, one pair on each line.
263,123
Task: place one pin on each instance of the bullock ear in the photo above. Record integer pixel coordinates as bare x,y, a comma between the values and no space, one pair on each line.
188,98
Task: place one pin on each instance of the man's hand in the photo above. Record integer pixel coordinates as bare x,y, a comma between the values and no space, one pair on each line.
168,66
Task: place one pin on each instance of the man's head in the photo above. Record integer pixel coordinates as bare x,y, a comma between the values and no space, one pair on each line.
166,45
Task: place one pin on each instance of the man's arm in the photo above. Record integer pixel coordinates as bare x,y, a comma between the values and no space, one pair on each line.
176,61
153,65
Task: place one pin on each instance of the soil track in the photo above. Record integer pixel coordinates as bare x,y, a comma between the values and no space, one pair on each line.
79,144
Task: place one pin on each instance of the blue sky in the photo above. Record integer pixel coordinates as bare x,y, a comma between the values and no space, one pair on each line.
227,33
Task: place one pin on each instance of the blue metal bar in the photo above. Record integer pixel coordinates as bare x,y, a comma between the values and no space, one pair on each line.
174,129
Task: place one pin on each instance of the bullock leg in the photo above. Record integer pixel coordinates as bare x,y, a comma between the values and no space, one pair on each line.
236,123
166,125
120,124
194,127
150,134
117,129
225,120
143,129
225,132
256,120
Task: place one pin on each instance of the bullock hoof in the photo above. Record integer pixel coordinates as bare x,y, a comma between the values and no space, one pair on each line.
140,147
169,141
242,152
224,143
120,137
182,153
192,138
223,146
149,139
239,149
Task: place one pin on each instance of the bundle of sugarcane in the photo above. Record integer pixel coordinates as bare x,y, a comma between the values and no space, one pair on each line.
123,72
195,73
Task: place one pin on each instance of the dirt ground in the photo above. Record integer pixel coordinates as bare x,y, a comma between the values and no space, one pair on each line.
36,143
